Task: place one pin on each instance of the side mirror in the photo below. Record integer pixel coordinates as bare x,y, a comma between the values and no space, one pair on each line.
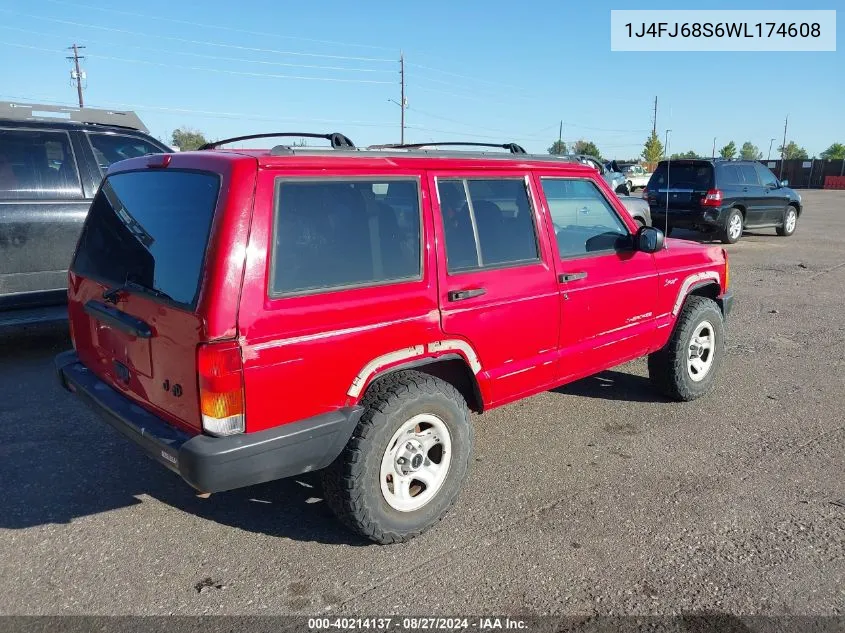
784,183
650,239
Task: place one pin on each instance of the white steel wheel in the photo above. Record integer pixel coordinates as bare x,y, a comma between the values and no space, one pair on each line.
701,350
415,463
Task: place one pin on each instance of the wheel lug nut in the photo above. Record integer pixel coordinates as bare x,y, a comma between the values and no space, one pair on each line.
401,460
409,446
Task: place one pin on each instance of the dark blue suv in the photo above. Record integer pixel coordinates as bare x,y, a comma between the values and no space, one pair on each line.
721,196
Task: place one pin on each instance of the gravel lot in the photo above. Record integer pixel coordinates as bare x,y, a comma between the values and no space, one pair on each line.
599,497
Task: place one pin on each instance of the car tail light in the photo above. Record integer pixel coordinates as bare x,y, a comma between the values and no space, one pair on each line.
221,388
645,193
713,198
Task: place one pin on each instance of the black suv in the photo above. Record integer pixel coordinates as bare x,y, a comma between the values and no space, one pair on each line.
51,162
721,196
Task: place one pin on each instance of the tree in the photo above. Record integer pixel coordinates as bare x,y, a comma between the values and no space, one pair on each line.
728,151
750,151
586,147
653,149
792,150
187,139
689,154
836,151
558,147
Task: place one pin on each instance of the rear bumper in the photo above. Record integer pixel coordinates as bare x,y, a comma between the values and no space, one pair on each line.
214,464
689,219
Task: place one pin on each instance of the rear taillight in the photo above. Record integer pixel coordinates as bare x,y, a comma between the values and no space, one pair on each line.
713,198
70,333
221,388
645,193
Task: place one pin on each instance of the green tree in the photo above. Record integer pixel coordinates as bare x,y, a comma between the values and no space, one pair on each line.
750,151
187,139
689,154
836,151
728,151
586,147
792,150
558,147
653,149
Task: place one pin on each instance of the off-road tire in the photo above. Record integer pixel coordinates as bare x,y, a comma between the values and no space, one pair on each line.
782,230
725,233
351,484
667,368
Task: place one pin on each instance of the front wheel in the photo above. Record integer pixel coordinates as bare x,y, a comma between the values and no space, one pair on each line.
406,462
686,367
790,222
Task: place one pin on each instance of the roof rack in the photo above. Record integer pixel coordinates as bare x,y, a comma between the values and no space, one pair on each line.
338,140
15,111
513,148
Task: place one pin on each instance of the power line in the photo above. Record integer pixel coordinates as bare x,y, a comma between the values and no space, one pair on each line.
206,56
197,42
498,84
217,26
208,70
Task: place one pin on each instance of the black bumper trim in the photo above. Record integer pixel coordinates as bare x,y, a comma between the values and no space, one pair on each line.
726,302
215,464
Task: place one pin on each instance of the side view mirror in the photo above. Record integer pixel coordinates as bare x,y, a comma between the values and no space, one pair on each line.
650,239
784,183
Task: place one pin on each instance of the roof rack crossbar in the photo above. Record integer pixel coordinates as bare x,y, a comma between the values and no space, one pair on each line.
513,148
12,110
338,140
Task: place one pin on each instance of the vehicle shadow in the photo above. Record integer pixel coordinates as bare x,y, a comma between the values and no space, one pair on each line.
59,462
613,385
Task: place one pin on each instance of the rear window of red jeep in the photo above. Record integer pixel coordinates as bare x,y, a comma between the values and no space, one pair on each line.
337,234
149,230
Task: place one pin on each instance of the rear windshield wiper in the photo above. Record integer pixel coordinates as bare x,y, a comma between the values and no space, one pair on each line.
111,294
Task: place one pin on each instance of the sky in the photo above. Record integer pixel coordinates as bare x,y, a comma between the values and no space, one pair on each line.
493,72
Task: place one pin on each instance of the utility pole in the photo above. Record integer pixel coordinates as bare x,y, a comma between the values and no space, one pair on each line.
714,148
77,74
402,94
560,137
783,148
654,119
769,155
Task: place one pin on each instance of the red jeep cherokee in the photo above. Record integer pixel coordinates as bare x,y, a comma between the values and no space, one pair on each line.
249,315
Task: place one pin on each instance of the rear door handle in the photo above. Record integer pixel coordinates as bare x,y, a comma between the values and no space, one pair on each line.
571,276
460,295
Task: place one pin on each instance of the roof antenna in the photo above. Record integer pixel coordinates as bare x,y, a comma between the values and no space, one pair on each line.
668,171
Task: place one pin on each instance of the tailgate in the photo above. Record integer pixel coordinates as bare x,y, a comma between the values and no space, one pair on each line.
135,283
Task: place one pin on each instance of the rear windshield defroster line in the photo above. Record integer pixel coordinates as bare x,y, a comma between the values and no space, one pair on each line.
149,230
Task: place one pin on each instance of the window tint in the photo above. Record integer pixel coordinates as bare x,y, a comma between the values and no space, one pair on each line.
729,175
697,176
37,166
487,223
584,221
334,234
150,228
111,148
749,174
766,176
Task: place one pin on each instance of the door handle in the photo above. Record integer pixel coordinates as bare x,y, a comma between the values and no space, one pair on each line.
460,295
571,276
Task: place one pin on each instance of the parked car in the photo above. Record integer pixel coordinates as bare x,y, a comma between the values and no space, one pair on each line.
50,169
614,178
721,197
245,316
637,177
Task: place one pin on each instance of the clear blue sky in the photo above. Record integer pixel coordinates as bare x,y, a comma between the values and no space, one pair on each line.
492,71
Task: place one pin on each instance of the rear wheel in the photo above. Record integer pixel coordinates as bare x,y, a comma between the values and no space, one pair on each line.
406,462
733,227
790,222
685,368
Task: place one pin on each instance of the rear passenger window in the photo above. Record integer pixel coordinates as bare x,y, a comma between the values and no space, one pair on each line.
111,148
340,234
730,175
487,223
749,174
584,221
37,166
